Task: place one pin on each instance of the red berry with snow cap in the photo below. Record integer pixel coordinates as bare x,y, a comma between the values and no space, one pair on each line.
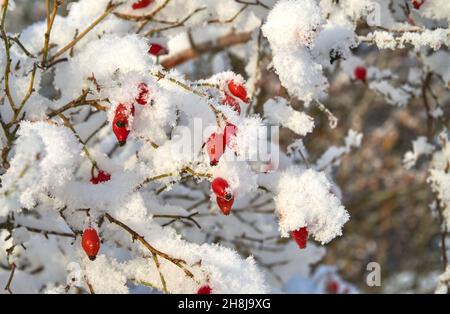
90,243
157,50
205,289
120,122
225,205
237,90
222,189
142,98
231,102
300,236
101,177
215,148
360,73
141,4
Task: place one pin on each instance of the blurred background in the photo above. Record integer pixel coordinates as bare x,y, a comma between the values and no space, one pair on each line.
391,222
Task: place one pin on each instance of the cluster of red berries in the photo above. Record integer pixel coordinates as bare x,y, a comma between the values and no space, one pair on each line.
234,90
90,243
300,236
360,73
123,113
141,4
224,195
417,3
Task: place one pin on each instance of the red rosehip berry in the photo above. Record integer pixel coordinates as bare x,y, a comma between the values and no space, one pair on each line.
237,90
225,205
360,73
90,243
141,4
332,287
142,97
157,50
222,189
229,132
120,122
300,236
231,102
417,4
101,177
214,147
205,289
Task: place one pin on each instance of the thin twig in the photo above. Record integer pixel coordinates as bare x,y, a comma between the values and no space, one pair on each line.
161,276
48,232
21,46
231,19
28,94
256,3
111,7
50,20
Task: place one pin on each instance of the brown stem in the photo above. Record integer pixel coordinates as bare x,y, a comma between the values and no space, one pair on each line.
443,225
48,232
147,17
7,55
90,287
176,261
85,149
11,276
161,276
174,25
179,217
111,7
257,3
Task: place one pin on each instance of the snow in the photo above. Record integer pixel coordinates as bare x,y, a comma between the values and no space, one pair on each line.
394,96
435,39
304,199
